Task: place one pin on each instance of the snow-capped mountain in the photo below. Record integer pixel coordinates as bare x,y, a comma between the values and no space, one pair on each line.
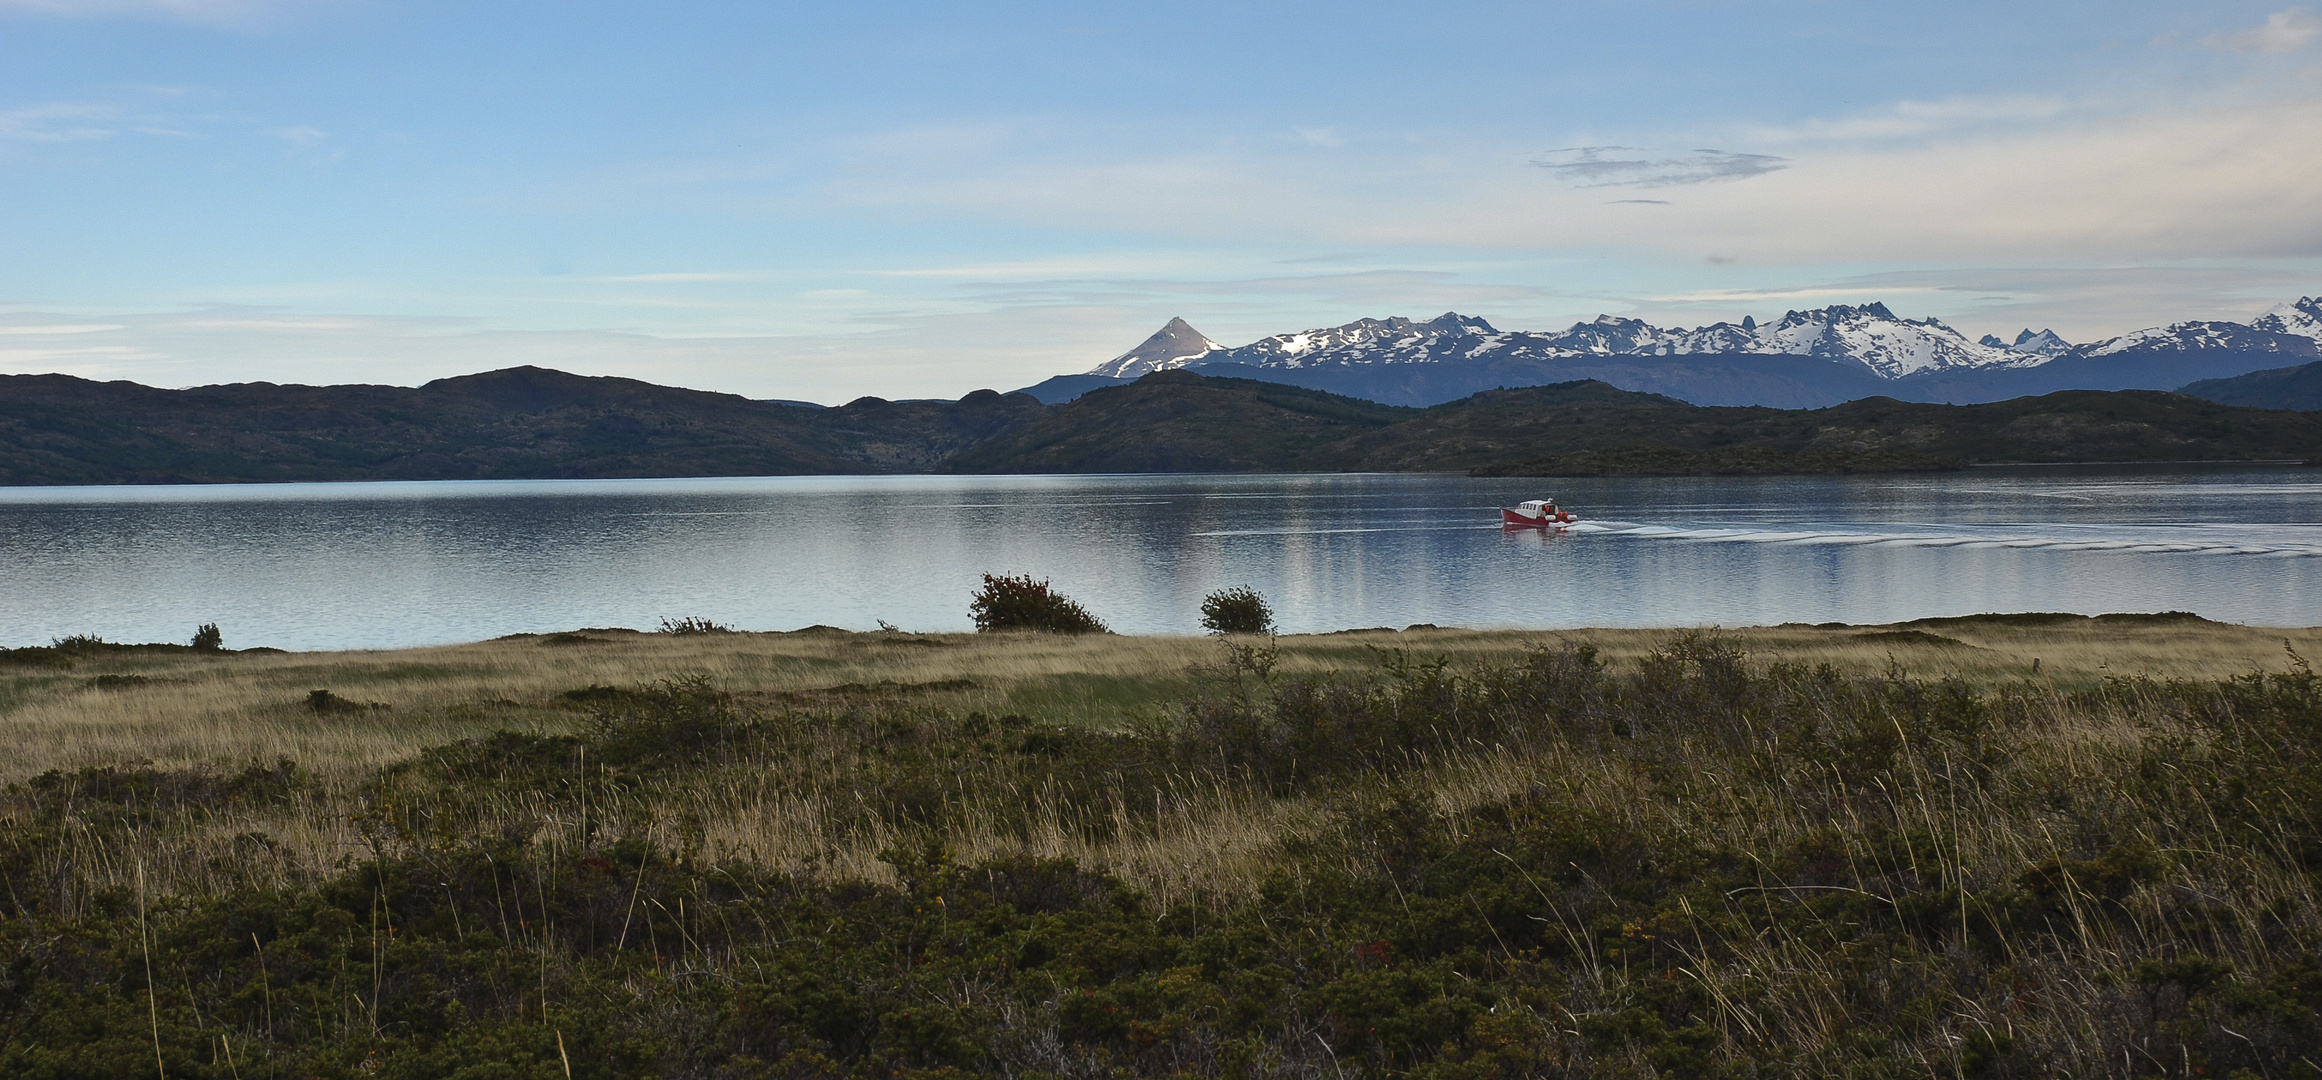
1874,337
1363,341
2200,336
1805,359
2042,342
2302,318
1172,346
1870,335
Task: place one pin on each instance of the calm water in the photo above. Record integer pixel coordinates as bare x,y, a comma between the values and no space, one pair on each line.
342,565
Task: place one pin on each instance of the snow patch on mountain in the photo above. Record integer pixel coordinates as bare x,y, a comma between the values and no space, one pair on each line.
1891,346
1173,346
1369,341
2042,342
2302,317
2191,336
1869,334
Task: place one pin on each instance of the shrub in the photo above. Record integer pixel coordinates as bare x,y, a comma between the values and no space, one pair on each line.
80,643
694,624
1020,603
208,638
1239,610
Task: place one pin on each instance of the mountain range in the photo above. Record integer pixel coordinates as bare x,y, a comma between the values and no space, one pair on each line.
538,423
1805,359
516,423
1188,421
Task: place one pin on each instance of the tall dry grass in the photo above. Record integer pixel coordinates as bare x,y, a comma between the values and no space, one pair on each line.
227,712
2008,866
230,709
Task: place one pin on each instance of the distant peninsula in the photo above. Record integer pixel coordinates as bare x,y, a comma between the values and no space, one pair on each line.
536,423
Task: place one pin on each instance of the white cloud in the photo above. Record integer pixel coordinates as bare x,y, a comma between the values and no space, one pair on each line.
2216,183
1626,166
1063,266
2171,184
127,110
215,12
1912,119
47,329
2283,31
918,355
57,122
687,276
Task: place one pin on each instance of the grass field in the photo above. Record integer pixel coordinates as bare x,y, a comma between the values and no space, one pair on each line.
180,708
1999,846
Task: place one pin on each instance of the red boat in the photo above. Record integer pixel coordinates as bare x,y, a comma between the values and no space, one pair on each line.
1537,514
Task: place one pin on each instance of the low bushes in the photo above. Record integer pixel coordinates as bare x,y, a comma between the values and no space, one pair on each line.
1021,603
1238,610
1698,866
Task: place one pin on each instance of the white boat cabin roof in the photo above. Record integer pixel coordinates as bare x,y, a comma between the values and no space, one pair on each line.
1536,504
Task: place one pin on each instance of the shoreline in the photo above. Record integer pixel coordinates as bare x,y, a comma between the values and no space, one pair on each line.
1481,473
96,704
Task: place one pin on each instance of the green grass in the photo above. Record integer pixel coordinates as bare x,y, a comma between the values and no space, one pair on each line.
1848,851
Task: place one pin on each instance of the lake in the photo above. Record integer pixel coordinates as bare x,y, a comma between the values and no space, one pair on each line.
313,566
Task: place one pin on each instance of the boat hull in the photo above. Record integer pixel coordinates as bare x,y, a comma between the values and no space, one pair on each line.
1519,518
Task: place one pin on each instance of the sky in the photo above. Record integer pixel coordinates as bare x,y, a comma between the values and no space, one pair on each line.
818,202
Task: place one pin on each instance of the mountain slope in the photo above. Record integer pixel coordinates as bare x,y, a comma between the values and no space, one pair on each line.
1177,421
1173,346
1058,389
2276,388
517,423
1186,422
1805,359
2068,426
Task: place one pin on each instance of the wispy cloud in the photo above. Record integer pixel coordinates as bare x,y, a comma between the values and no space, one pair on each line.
1915,119
56,122
215,12
678,277
2283,31
47,329
910,355
1073,266
1625,166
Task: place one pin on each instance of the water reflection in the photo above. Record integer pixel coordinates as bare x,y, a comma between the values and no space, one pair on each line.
324,565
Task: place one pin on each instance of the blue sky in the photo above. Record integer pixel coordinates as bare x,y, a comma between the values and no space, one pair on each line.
911,200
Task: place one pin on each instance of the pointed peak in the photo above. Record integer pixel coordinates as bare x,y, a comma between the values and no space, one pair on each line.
1455,322
1175,345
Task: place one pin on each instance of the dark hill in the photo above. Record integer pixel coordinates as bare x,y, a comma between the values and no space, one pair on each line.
2274,388
522,422
536,423
1180,421
1176,421
1882,434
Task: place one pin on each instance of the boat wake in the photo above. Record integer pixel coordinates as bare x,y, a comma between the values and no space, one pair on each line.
2184,539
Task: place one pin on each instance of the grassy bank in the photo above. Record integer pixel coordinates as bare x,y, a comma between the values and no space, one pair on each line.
1900,851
